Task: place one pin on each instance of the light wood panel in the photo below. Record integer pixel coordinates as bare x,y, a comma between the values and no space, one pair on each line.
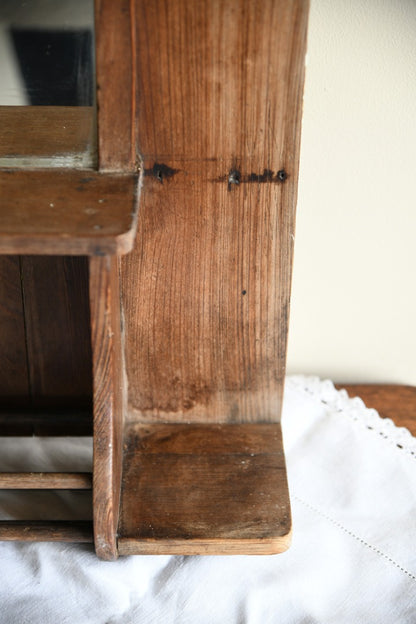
206,288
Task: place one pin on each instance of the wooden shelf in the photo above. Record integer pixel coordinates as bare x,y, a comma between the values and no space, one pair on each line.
67,212
204,489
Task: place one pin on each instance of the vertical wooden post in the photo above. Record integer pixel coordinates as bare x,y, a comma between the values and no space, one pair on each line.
208,107
108,401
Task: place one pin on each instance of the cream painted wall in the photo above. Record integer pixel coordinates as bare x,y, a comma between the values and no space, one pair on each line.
353,315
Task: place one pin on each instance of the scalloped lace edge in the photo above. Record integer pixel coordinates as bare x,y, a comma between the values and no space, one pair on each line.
355,409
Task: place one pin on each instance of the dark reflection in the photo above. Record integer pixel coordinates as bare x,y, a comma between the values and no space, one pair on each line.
56,66
46,52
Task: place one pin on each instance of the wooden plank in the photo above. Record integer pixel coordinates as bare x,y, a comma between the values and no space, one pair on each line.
394,401
56,304
206,289
45,481
14,379
109,399
53,422
58,531
116,84
67,212
202,489
55,135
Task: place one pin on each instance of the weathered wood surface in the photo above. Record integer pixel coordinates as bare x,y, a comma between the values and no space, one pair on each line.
62,134
67,212
204,489
58,531
394,401
206,290
45,481
109,397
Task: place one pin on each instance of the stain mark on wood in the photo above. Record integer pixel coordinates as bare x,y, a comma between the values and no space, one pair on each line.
234,177
161,172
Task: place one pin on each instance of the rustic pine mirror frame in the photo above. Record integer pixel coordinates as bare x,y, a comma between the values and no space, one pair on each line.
170,269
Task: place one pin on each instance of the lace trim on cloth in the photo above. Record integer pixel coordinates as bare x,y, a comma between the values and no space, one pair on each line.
355,409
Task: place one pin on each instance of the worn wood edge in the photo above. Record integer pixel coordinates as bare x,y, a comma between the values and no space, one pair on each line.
45,481
39,531
108,402
394,401
268,546
42,236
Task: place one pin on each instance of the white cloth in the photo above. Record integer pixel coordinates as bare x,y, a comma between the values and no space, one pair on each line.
352,478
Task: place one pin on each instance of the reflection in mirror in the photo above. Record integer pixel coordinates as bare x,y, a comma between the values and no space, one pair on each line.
47,84
46,52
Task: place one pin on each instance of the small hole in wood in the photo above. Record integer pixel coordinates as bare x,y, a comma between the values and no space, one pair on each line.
281,175
234,177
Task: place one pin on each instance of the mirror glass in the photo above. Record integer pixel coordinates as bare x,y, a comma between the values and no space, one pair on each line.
46,52
47,84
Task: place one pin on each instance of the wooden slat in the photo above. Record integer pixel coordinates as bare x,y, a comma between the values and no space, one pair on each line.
202,489
116,78
14,379
56,305
394,401
54,422
108,401
58,531
45,481
64,135
66,212
206,289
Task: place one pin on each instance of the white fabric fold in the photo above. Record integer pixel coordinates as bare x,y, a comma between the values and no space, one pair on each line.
352,479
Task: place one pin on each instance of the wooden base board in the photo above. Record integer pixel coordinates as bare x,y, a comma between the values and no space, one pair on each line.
204,489
394,401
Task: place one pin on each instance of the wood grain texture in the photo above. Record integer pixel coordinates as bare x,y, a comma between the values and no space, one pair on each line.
206,290
14,378
203,489
58,342
108,401
66,212
58,531
116,84
55,132
397,402
45,481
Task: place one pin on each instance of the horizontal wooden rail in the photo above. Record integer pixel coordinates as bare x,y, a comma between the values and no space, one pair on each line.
45,481
67,212
34,531
47,136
